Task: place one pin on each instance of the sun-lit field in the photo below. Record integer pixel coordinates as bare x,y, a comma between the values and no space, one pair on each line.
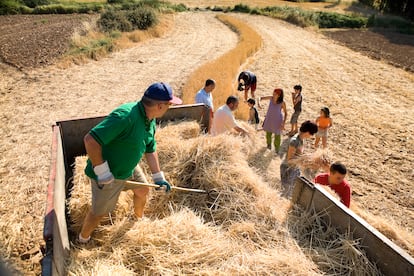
82,1
224,69
324,6
371,105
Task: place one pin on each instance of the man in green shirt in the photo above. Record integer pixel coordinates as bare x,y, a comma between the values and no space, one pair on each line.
115,147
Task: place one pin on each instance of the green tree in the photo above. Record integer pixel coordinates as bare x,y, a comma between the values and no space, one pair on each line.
399,7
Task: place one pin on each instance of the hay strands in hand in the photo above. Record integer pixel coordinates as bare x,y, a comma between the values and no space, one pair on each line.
141,184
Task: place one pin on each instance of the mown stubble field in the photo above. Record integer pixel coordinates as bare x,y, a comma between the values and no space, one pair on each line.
371,102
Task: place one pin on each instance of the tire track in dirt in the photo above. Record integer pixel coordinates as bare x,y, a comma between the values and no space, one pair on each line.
371,103
31,102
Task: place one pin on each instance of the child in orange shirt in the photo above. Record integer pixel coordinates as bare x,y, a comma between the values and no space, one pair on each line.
324,122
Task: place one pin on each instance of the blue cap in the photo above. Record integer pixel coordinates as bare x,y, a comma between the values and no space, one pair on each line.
162,92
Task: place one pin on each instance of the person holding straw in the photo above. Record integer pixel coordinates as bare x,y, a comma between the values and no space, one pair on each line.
224,120
289,169
115,147
335,179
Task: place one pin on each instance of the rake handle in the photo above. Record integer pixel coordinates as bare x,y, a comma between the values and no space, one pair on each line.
172,187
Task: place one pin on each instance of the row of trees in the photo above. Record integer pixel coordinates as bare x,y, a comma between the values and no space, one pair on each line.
400,7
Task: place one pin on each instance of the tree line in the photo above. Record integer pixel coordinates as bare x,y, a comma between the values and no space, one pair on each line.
399,7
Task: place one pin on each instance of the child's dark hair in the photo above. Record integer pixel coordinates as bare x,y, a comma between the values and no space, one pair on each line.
309,126
280,92
251,101
338,167
298,87
326,111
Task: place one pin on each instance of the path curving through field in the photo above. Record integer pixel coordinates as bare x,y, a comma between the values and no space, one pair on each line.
371,103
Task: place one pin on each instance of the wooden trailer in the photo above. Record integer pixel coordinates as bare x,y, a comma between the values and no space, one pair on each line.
67,143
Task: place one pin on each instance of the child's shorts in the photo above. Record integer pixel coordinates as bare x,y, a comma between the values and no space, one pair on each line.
251,86
322,133
104,200
288,175
295,117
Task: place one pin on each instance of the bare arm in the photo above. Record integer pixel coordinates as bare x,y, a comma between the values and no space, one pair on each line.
152,161
290,153
285,112
240,130
296,99
265,98
93,149
251,115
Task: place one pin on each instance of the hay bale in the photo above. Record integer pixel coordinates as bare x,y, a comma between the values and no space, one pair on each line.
388,228
101,267
333,252
241,230
214,164
179,129
80,200
311,163
183,244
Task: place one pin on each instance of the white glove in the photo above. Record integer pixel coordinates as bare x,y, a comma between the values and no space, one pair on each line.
160,180
103,173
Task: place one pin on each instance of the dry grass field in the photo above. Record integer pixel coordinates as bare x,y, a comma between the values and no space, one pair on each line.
371,104
224,69
326,6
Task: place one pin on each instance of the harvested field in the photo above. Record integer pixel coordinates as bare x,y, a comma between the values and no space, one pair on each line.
394,48
28,41
361,92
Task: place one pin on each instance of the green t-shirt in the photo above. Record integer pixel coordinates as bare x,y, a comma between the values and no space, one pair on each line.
125,135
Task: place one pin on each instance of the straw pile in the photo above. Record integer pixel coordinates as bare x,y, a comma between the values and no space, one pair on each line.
311,163
241,229
388,228
79,202
334,253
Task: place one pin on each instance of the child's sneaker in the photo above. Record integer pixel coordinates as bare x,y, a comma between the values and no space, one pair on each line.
82,243
81,240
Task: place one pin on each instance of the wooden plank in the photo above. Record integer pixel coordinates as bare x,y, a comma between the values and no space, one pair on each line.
390,258
61,246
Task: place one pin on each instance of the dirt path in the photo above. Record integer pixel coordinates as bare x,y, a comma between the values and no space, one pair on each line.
30,103
372,106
